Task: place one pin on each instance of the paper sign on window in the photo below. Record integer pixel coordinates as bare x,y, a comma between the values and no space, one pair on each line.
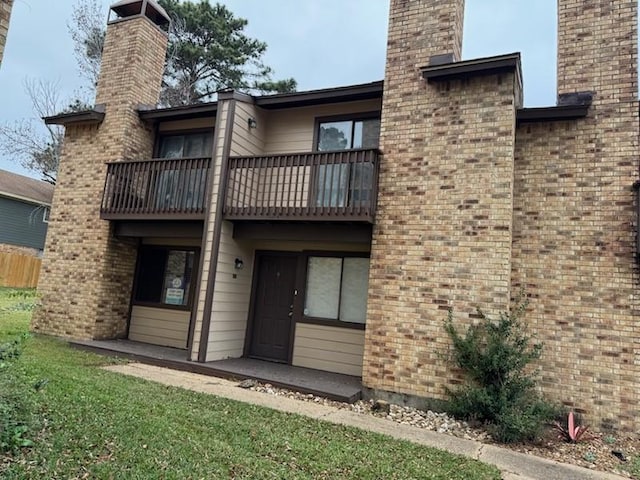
174,296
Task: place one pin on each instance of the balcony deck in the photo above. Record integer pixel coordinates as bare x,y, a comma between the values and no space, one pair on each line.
318,186
157,189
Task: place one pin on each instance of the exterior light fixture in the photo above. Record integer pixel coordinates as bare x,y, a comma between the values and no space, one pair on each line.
238,264
252,122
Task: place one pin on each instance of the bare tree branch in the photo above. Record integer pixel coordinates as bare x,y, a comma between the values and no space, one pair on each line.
26,141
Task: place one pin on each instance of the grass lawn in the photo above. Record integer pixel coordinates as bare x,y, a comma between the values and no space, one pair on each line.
98,424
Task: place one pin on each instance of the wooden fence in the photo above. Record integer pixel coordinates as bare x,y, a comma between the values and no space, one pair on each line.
19,271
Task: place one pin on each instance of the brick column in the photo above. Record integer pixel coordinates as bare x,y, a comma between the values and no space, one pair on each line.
87,274
443,227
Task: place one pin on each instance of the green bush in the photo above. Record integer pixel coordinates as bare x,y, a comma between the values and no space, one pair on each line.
493,356
18,406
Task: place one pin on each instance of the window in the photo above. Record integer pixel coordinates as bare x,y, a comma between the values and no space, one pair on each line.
188,145
45,214
348,134
337,289
183,189
345,184
164,276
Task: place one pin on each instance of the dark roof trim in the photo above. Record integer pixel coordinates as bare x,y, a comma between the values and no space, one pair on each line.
552,114
472,68
95,116
184,112
366,91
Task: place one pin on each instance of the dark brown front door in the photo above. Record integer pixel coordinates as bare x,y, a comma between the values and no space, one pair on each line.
273,307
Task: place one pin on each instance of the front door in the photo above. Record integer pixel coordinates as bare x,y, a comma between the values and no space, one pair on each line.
273,307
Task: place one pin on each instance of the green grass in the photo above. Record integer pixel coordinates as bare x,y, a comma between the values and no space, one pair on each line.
101,425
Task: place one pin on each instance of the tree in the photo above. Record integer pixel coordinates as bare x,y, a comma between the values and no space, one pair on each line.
35,148
87,32
209,51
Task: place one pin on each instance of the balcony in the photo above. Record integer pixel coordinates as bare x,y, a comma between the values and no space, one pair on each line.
319,186
158,189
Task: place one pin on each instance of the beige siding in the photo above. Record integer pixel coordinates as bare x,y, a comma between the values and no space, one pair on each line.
223,110
291,130
159,326
247,141
195,123
232,291
332,349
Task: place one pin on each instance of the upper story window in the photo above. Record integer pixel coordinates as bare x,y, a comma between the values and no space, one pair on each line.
186,145
348,133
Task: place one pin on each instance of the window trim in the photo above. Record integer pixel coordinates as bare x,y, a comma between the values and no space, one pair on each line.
304,269
46,213
166,306
353,117
173,133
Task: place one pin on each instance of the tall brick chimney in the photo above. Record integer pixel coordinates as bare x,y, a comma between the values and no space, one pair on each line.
86,276
442,236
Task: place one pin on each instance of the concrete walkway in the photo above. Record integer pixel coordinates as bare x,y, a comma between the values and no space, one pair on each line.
514,465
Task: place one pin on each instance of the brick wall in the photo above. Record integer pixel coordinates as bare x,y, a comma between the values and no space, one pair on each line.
574,219
5,15
87,274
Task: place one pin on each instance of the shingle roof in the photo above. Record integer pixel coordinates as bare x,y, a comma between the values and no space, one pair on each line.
19,186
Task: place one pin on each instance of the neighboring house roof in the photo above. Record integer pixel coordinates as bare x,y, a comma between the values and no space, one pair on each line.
25,188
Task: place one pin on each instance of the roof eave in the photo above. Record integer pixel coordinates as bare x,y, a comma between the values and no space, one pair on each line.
552,114
473,68
92,116
186,112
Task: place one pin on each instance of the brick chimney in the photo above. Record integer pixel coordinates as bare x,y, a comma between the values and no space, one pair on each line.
5,15
87,273
442,236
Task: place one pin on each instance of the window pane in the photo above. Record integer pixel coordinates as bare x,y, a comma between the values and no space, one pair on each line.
357,134
323,287
198,145
177,277
332,185
334,136
370,133
355,284
151,264
164,276
172,147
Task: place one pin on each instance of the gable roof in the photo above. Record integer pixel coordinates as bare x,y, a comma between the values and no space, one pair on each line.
25,188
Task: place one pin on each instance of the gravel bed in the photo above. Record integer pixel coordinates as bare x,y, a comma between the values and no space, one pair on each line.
604,452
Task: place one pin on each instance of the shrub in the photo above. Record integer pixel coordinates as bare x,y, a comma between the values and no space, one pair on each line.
493,356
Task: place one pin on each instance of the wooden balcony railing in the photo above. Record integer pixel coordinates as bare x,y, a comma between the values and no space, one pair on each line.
329,186
156,189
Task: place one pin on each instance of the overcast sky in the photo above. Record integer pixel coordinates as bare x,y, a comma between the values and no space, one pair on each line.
320,43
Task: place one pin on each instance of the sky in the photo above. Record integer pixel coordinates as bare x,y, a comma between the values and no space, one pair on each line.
320,43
